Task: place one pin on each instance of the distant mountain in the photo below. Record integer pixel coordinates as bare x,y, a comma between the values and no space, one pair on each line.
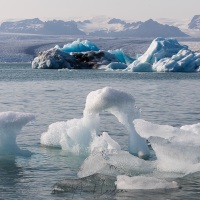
59,27
95,27
195,23
23,26
36,26
148,28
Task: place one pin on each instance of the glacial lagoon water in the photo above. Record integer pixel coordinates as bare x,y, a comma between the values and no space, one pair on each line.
53,96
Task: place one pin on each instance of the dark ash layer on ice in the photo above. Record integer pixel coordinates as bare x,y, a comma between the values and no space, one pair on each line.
56,59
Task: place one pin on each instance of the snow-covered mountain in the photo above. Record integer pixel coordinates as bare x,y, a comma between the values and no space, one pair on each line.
36,26
97,26
149,28
22,26
189,26
195,22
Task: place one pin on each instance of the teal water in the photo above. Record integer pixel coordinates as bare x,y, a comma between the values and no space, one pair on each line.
52,95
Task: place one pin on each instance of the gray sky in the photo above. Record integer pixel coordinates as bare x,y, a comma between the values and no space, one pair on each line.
125,9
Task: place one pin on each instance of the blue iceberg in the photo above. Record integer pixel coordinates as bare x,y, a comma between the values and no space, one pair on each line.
121,56
79,46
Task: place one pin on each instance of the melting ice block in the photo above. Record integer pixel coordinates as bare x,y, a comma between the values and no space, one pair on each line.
10,126
114,163
82,135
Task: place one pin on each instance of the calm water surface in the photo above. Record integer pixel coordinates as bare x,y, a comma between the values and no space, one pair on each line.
52,95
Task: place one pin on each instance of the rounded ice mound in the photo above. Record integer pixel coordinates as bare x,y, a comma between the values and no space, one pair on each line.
10,126
143,183
117,102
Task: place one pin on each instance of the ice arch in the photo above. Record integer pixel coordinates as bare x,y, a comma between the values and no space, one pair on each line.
80,135
121,105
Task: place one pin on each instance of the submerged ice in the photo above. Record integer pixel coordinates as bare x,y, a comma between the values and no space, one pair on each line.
10,125
142,182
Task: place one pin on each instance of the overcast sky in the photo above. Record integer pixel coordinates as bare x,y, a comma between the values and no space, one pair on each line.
125,9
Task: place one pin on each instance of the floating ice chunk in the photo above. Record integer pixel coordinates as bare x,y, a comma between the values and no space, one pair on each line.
147,129
175,157
76,135
116,65
195,128
140,67
187,135
143,183
10,126
184,61
73,136
79,46
114,163
160,48
102,142
121,56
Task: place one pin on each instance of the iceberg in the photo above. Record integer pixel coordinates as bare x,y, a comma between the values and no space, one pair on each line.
121,56
163,55
184,61
166,55
10,125
79,46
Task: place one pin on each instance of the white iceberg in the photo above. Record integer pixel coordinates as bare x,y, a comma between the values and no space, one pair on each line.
166,55
10,125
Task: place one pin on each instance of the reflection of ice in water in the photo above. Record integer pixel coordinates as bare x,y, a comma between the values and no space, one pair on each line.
175,151
10,126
